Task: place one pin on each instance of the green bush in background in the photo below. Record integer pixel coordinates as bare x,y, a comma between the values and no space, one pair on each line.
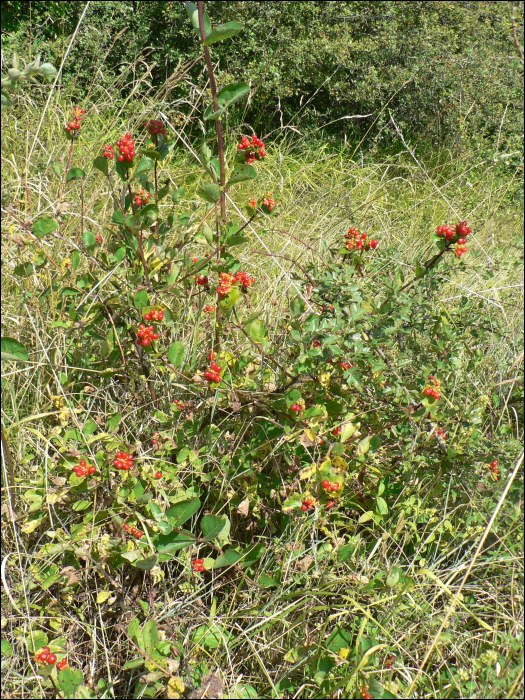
446,72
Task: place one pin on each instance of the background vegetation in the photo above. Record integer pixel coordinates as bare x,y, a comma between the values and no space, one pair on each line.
331,604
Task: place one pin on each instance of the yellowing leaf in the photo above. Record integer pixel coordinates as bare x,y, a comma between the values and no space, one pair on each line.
175,688
347,431
103,596
30,526
339,464
366,517
343,653
307,472
363,446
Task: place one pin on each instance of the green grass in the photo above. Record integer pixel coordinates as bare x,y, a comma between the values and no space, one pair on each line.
278,640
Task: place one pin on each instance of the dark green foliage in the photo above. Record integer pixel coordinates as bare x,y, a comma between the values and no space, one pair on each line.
446,71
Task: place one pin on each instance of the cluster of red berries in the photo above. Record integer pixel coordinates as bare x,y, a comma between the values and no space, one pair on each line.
329,485
389,661
201,280
108,152
268,201
455,234
126,146
493,466
155,438
296,408
252,203
178,404
337,431
330,505
77,117
198,565
154,315
316,343
214,373
307,504
146,335
133,531
155,127
209,309
123,460
365,693
359,240
442,434
141,197
45,657
98,239
253,149
244,280
82,469
432,389
344,364
226,281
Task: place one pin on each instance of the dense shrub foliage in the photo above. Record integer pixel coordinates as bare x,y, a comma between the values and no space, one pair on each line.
446,71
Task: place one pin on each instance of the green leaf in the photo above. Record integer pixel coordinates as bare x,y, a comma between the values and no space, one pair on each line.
6,102
43,226
176,353
236,240
225,31
381,506
118,217
180,512
135,632
36,641
210,192
211,636
150,636
177,194
69,680
211,526
229,558
75,174
169,544
88,239
193,14
24,270
420,271
257,331
232,298
6,648
241,174
57,168
151,153
101,163
226,97
147,563
141,299
143,166
150,211
13,348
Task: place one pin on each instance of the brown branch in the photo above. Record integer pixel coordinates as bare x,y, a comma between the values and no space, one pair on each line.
10,473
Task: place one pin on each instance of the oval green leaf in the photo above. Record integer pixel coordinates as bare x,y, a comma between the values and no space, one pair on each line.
226,97
225,31
43,226
13,350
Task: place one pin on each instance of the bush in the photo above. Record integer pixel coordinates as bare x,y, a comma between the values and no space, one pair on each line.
232,426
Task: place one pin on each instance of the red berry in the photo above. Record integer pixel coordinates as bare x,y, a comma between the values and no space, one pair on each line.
374,244
139,534
158,475
83,463
51,658
120,158
126,527
212,355
92,470
325,484
304,508
335,486
160,315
